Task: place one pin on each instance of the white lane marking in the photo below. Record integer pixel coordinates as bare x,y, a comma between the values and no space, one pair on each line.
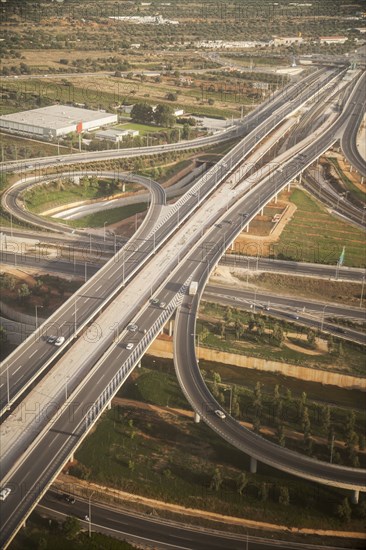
16,370
32,354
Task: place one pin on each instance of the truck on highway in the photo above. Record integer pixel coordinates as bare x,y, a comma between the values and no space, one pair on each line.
193,287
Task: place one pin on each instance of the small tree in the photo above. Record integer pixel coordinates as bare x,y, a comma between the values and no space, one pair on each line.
260,327
263,492
251,323
257,399
311,339
241,483
277,334
228,314
326,419
284,496
256,424
281,435
330,344
344,511
216,480
24,292
71,527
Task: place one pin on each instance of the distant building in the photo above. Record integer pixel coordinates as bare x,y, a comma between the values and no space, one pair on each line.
55,121
126,108
178,112
287,40
116,136
333,39
145,19
228,44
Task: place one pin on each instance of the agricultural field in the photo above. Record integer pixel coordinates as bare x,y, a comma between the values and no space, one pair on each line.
312,234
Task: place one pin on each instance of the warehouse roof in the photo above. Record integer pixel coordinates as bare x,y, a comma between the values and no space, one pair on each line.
56,116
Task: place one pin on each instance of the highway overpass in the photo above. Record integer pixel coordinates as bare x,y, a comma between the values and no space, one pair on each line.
58,439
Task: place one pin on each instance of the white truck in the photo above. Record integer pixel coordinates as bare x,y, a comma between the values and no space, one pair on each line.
193,287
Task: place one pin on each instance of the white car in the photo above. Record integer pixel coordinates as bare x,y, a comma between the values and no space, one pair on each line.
130,345
60,340
162,305
132,327
220,414
4,493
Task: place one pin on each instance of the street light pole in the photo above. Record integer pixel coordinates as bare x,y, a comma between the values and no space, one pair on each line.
230,388
67,379
36,307
75,316
255,298
331,449
7,384
363,284
90,513
322,323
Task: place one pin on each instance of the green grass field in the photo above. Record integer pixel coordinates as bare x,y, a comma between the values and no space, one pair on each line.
110,216
313,235
44,197
142,128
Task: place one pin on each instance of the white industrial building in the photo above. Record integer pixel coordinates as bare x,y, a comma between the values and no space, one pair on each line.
115,136
55,121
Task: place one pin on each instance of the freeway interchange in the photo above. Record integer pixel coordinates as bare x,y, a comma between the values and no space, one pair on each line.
192,254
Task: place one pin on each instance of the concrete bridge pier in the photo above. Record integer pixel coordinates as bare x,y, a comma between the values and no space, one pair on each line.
275,199
71,459
247,227
170,327
289,187
262,211
300,177
253,465
355,496
139,365
109,406
197,418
